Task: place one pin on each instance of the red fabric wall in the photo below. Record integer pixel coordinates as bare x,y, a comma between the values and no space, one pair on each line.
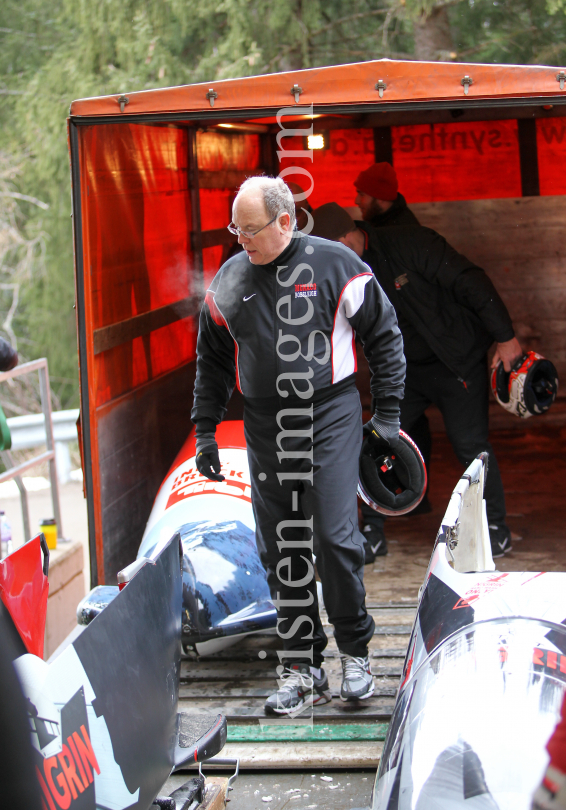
227,155
334,169
136,218
456,161
219,151
459,161
215,212
551,148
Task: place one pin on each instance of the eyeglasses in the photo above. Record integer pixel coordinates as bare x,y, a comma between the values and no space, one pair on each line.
248,234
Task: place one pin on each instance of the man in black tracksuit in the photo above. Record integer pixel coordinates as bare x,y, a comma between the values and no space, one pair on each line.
279,321
449,314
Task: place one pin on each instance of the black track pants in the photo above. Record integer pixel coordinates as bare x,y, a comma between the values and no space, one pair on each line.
284,510
465,413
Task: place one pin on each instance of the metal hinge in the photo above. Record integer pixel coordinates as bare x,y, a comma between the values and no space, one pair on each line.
451,542
466,82
381,86
452,539
122,101
296,91
561,77
211,96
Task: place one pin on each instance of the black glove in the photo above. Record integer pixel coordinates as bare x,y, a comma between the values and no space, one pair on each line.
376,443
207,457
383,428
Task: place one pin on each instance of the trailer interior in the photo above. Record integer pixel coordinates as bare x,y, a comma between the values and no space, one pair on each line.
153,185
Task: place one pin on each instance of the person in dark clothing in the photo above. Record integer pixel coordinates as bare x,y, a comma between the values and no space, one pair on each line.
279,321
379,199
449,314
383,206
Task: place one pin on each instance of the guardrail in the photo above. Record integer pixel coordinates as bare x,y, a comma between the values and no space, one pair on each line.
15,471
29,431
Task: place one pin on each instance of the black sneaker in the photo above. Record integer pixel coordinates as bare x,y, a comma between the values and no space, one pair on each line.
300,687
500,537
375,544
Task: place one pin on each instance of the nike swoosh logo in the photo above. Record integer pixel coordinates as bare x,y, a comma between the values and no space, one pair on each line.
374,548
249,296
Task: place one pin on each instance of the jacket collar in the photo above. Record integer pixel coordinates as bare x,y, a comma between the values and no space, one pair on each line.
370,236
287,255
398,205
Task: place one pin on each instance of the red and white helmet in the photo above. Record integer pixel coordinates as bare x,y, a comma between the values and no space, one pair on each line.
529,388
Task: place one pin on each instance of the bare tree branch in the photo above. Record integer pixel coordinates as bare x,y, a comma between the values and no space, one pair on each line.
17,196
7,325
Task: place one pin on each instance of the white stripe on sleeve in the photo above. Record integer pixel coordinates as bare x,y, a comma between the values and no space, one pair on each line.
343,343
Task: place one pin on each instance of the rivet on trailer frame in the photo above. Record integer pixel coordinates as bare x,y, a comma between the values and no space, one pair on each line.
466,82
296,91
381,86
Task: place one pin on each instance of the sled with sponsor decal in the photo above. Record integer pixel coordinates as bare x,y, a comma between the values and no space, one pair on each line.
225,593
484,675
103,715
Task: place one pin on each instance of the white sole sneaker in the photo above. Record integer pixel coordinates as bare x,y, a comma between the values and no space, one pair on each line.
362,697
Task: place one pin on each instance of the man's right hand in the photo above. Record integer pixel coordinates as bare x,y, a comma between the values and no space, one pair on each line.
377,441
208,458
383,427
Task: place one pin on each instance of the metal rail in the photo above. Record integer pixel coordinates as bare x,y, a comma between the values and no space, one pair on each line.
29,431
16,471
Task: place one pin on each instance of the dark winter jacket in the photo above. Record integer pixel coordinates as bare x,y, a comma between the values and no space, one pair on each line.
397,214
450,301
261,325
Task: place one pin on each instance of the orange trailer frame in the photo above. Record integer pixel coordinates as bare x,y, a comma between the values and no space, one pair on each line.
140,239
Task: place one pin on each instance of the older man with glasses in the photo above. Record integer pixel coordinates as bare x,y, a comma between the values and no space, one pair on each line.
279,322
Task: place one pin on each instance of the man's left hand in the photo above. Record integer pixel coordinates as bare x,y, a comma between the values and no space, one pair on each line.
507,352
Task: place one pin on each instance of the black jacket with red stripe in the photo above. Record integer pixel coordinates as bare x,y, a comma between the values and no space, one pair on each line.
287,329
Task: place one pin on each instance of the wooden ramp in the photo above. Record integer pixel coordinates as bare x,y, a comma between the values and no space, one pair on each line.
237,681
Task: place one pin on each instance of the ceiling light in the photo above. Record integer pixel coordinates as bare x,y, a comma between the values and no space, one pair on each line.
315,141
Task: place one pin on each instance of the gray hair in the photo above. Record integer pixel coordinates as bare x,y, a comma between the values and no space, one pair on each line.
277,196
